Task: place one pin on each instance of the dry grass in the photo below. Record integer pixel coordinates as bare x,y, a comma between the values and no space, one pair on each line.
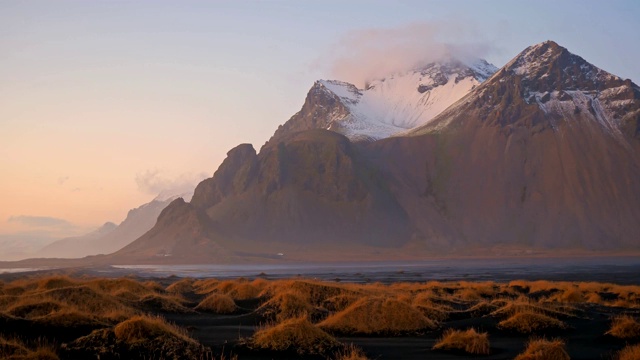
217,304
31,309
143,328
238,289
340,302
523,304
542,349
55,282
41,353
624,327
14,349
469,341
351,352
398,308
181,287
70,317
296,334
312,292
287,305
529,322
482,308
377,315
205,286
630,352
122,289
164,303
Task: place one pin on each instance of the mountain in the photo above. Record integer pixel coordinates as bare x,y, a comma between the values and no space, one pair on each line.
109,237
387,106
542,156
76,246
279,201
15,247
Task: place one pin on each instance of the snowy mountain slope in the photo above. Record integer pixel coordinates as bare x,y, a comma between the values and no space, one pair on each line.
390,105
404,101
564,86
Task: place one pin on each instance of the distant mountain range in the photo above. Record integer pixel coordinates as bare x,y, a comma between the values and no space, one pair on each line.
542,155
109,237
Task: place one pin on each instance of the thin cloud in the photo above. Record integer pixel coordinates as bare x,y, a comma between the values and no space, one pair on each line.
40,221
368,54
154,182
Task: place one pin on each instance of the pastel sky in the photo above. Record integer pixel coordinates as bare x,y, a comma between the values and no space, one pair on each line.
103,104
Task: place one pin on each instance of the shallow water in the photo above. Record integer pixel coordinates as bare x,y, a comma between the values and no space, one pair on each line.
20,270
621,270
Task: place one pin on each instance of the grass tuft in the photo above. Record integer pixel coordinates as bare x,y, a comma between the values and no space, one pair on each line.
469,341
295,334
543,349
351,352
529,322
142,328
624,327
629,352
377,315
217,304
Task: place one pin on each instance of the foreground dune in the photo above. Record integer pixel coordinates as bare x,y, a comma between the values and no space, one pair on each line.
65,317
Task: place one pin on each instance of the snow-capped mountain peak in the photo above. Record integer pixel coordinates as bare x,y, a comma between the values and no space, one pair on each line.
402,101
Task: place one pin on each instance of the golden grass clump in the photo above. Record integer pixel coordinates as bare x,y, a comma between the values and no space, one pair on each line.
374,315
571,295
295,334
153,286
629,352
340,302
313,292
11,347
482,308
84,298
205,286
122,288
14,349
287,305
260,283
55,282
430,309
41,353
29,309
527,322
523,304
239,289
164,303
470,291
217,304
351,352
542,349
469,341
625,327
180,287
142,328
244,291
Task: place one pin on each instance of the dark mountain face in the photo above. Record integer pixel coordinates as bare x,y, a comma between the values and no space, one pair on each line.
543,155
545,85
313,190
319,109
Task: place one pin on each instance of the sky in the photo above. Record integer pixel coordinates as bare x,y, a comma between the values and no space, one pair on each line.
105,104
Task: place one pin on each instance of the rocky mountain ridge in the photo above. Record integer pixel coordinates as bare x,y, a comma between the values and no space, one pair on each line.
387,106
